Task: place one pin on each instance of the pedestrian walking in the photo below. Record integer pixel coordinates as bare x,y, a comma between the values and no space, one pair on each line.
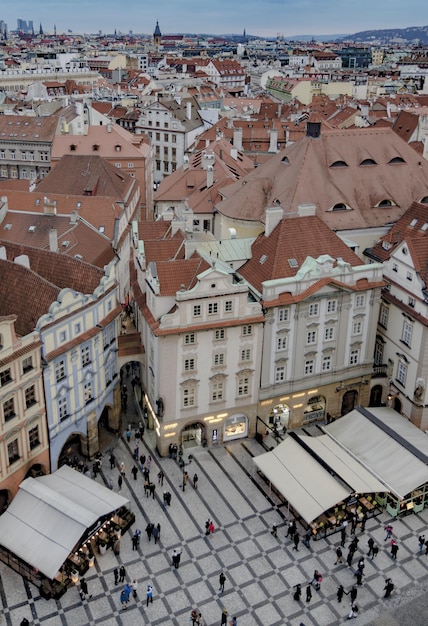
359,574
122,574
149,531
134,542
340,592
342,537
234,621
155,533
296,539
223,617
307,539
195,480
24,622
134,588
354,544
354,522
116,575
119,482
370,544
194,617
116,546
135,472
298,592
274,531
426,547
149,595
317,580
349,557
221,580
353,611
375,551
84,590
389,587
339,555
123,469
161,476
142,461
174,559
124,599
308,593
394,549
112,460
363,522
152,489
353,594
185,480
291,528
388,532
421,543
136,450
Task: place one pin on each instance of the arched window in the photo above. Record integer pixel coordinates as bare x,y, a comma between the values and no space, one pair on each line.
340,206
339,164
384,203
396,159
368,162
424,200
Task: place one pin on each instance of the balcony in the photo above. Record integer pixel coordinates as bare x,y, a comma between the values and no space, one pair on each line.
380,371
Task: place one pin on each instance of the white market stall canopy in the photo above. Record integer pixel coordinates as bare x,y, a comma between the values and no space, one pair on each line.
345,465
385,442
50,514
306,485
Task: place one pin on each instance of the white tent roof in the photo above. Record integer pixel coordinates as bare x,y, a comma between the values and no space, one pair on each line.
385,442
307,486
50,514
344,464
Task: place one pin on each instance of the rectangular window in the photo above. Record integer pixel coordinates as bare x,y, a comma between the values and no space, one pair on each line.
412,302
157,134
409,276
246,354
328,333
5,377
77,329
406,336
383,316
13,451
313,309
309,367
8,409
219,358
217,391
30,396
33,437
189,338
283,315
212,308
326,363
402,372
60,370
243,386
196,310
105,338
174,138
62,408
394,267
189,365
188,397
311,337
281,343
280,373
228,306
131,164
354,357
85,353
87,390
357,327
62,336
219,334
331,306
359,301
27,364
247,329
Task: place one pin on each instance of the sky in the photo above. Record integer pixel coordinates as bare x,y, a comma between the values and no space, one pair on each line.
264,18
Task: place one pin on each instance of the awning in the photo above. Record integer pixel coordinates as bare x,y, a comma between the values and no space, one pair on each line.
304,483
49,515
346,466
390,446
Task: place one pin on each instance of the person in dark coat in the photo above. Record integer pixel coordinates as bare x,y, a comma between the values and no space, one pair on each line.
298,592
296,539
308,593
340,592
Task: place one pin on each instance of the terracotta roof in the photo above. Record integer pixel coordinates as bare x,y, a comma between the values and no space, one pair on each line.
282,253
357,168
104,140
16,283
59,270
87,176
173,274
405,125
19,128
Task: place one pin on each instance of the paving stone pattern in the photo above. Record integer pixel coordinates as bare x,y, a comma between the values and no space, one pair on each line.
260,569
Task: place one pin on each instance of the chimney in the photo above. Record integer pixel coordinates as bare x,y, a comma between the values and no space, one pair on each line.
313,126
49,206
185,163
273,144
237,138
3,208
304,210
210,176
273,216
189,110
234,154
53,240
109,127
73,217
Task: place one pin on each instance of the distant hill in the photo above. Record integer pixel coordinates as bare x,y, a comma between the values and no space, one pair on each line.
414,35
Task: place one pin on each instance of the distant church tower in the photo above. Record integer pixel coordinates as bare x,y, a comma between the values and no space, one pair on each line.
157,37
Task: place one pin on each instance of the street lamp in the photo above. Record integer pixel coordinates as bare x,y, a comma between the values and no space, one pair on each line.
183,464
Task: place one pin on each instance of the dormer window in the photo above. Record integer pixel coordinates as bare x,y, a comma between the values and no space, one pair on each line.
73,147
339,164
95,147
396,159
368,162
384,203
118,147
340,206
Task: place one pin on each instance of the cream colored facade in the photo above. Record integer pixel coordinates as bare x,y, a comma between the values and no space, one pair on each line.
24,440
